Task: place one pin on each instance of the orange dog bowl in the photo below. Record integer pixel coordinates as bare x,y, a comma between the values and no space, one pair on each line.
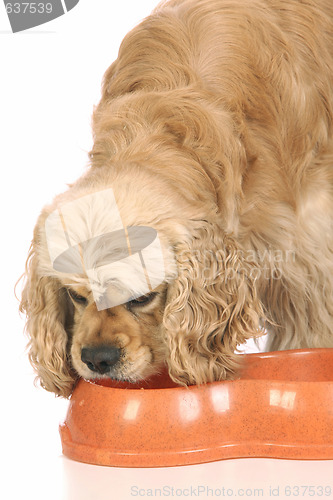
280,407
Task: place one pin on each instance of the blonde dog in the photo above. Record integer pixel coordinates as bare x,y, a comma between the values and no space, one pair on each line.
214,129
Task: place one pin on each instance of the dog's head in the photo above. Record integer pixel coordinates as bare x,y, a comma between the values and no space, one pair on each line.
200,305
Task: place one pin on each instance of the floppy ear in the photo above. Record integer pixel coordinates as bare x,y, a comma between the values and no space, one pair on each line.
212,307
48,314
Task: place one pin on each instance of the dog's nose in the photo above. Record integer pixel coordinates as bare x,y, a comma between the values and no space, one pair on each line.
100,359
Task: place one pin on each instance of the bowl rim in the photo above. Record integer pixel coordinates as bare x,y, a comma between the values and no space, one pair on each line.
257,355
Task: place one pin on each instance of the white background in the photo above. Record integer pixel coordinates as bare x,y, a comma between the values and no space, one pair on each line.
50,80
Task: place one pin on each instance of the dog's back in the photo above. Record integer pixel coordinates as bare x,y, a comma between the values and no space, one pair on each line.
269,62
262,56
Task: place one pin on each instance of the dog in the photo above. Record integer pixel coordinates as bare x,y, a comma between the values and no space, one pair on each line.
214,131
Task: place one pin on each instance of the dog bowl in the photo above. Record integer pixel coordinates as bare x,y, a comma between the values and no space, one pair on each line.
281,406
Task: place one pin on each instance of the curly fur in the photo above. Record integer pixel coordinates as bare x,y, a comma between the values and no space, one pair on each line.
46,308
209,312
214,128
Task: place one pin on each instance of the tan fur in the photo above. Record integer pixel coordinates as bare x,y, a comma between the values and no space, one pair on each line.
215,128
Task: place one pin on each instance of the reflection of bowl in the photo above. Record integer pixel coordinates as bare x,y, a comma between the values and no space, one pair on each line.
280,407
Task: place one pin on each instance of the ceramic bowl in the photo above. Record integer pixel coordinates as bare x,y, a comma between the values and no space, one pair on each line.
281,406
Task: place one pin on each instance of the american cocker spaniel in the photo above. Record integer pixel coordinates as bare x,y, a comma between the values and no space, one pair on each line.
213,141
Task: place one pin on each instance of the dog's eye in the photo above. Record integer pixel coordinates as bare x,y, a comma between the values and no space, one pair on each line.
76,297
142,301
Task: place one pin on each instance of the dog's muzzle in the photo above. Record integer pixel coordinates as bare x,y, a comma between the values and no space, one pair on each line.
100,359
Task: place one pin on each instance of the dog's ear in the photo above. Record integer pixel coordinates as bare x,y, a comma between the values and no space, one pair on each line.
48,312
212,307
